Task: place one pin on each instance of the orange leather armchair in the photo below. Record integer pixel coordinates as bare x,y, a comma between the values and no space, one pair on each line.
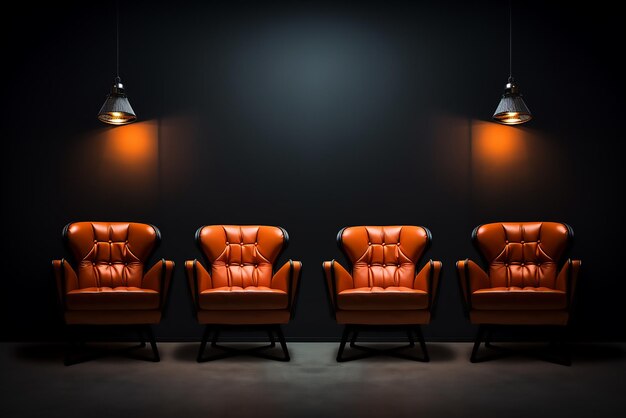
382,288
106,282
526,280
241,288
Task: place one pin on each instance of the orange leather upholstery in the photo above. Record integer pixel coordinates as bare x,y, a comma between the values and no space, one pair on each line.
107,298
108,279
239,298
382,298
109,317
247,317
511,298
383,287
240,286
519,317
389,317
527,281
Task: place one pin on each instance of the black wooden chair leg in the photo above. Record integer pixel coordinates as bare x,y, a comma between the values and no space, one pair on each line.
409,335
270,334
283,343
226,351
216,336
558,355
155,351
420,336
488,335
369,351
355,335
79,352
479,338
141,337
205,337
342,344
560,350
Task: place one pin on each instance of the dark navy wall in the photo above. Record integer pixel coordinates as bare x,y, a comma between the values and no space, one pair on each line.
312,116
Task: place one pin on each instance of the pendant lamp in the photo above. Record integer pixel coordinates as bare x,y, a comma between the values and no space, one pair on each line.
116,109
511,110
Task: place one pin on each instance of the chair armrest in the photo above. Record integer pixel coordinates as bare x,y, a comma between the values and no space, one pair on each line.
192,283
198,278
568,277
428,280
471,278
287,279
337,280
189,273
65,277
280,280
159,277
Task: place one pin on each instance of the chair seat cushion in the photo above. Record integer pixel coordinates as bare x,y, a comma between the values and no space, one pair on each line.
379,298
519,298
242,298
112,298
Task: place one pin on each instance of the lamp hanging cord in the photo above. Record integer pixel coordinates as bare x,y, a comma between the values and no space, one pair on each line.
117,40
510,39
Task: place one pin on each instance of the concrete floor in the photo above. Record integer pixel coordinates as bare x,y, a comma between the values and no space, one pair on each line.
34,383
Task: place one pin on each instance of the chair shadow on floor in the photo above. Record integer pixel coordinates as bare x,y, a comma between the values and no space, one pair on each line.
579,353
40,352
597,352
188,352
438,352
56,352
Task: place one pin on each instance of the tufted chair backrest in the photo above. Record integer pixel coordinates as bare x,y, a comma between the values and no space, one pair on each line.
384,256
523,254
241,255
111,254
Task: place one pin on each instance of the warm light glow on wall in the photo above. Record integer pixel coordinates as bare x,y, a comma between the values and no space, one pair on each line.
510,167
450,153
130,157
132,145
117,166
180,155
497,147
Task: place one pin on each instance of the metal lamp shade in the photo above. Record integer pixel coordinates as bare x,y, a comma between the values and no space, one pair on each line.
116,109
512,110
